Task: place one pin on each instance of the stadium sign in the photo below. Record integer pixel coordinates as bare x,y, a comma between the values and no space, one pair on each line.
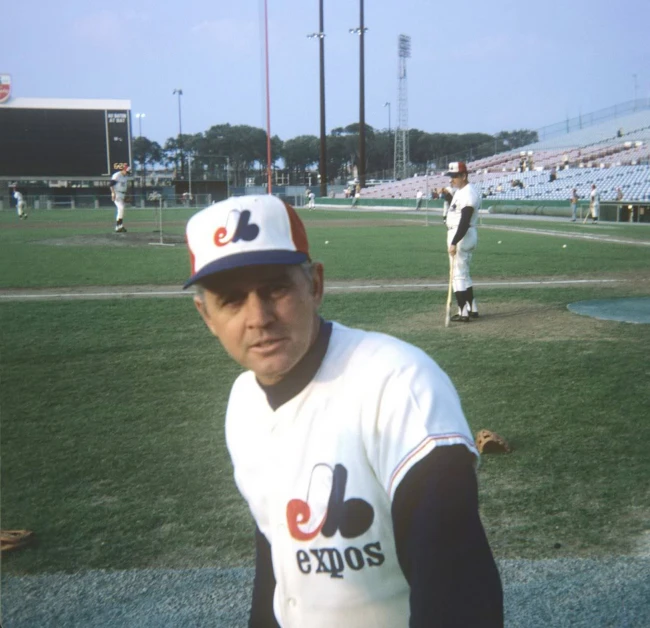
5,87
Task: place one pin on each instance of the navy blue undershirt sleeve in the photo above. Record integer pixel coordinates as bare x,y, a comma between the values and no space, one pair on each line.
463,225
442,547
261,615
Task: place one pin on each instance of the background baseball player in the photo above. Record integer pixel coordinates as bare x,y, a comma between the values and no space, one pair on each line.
462,239
594,203
118,183
574,204
20,203
350,447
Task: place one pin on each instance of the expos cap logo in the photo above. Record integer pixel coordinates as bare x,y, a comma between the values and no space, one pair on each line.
325,510
238,227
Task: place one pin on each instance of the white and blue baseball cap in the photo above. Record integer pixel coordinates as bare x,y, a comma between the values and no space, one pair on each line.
456,168
244,231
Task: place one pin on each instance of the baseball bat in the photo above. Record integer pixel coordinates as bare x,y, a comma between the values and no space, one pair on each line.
587,215
449,291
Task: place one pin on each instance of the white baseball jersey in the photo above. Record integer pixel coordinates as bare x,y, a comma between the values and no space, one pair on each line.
468,196
19,197
594,197
320,473
120,185
595,203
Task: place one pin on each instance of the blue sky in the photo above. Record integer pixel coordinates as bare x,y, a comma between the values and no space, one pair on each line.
476,66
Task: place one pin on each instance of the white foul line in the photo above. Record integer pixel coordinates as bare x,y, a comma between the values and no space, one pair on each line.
18,296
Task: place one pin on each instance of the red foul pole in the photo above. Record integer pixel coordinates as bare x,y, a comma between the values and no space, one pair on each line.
268,101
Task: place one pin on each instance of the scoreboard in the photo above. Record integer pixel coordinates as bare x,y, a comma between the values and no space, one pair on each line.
45,138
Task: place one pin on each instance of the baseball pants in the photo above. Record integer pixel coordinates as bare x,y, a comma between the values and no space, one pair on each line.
462,259
119,203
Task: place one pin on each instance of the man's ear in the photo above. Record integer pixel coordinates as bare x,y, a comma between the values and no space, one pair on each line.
205,315
318,283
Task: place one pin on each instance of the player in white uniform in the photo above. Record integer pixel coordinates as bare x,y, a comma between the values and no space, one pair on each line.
462,239
418,199
594,203
350,447
20,204
119,182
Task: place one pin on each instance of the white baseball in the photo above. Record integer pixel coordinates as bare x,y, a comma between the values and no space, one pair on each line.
327,241
499,242
564,246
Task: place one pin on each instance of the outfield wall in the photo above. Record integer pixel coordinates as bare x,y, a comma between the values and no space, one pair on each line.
609,212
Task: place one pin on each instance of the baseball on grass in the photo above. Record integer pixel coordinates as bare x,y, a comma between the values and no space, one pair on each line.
327,241
499,242
564,246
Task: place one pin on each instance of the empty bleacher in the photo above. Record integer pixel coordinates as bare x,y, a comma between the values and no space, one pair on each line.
612,154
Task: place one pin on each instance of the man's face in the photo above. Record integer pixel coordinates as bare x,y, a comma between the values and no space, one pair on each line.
458,180
266,317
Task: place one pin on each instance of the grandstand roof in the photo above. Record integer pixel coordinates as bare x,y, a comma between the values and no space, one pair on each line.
66,103
635,125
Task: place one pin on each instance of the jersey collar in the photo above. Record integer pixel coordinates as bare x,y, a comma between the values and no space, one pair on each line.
302,373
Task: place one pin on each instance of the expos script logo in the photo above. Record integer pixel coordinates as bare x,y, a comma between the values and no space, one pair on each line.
238,227
326,510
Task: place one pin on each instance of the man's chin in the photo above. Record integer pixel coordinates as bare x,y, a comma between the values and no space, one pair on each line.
270,370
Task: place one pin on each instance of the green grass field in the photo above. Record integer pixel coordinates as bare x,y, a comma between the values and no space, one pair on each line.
112,410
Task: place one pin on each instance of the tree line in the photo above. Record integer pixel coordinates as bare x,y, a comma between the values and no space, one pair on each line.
243,150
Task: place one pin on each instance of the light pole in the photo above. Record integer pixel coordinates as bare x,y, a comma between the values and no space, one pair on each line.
322,166
362,99
180,132
387,104
227,176
139,117
189,174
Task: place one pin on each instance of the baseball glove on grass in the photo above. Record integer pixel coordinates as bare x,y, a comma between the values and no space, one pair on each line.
15,539
488,442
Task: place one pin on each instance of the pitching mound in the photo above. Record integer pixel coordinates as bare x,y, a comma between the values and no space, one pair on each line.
117,239
630,310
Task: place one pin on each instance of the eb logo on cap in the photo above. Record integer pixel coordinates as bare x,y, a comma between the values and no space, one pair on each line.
238,227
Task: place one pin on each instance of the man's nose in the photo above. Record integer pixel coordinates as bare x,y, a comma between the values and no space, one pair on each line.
259,310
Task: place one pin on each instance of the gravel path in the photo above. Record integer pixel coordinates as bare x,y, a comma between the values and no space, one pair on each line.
558,593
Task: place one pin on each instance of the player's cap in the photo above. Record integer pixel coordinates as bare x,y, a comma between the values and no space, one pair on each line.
244,231
456,167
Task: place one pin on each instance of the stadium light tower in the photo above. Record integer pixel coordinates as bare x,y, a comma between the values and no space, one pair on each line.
180,132
322,166
139,117
362,98
402,131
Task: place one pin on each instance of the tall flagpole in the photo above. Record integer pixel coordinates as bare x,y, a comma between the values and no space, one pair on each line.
268,101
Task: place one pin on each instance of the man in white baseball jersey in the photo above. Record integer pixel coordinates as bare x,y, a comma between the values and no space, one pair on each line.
350,447
418,199
20,203
118,183
594,203
462,238
574,204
